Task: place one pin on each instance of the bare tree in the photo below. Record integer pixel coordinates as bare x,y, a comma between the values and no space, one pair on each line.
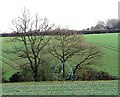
118,24
100,25
112,23
31,36
67,46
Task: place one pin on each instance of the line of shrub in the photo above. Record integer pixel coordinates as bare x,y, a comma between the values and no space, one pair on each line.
85,74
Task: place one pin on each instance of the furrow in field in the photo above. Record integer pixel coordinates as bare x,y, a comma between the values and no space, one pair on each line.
106,46
109,48
13,58
10,63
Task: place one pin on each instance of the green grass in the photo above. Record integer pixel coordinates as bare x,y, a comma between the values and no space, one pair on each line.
105,39
109,63
109,46
61,88
9,62
107,42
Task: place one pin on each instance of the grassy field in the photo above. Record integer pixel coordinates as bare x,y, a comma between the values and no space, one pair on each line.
109,45
61,88
109,63
107,42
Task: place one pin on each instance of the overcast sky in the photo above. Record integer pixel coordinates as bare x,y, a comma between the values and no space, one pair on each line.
78,14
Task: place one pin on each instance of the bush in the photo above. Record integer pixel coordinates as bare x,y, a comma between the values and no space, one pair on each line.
45,73
105,76
91,74
15,77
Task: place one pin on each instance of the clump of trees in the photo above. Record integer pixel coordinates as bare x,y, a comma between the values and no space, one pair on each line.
106,25
41,51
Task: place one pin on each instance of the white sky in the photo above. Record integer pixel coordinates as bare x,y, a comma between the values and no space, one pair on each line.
78,14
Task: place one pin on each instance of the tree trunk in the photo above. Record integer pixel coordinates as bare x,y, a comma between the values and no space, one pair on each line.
63,64
74,72
35,75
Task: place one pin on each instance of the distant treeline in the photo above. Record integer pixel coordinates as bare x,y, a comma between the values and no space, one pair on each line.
57,32
101,31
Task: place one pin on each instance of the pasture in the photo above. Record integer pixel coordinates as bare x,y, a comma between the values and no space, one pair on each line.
107,42
109,46
109,63
61,88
